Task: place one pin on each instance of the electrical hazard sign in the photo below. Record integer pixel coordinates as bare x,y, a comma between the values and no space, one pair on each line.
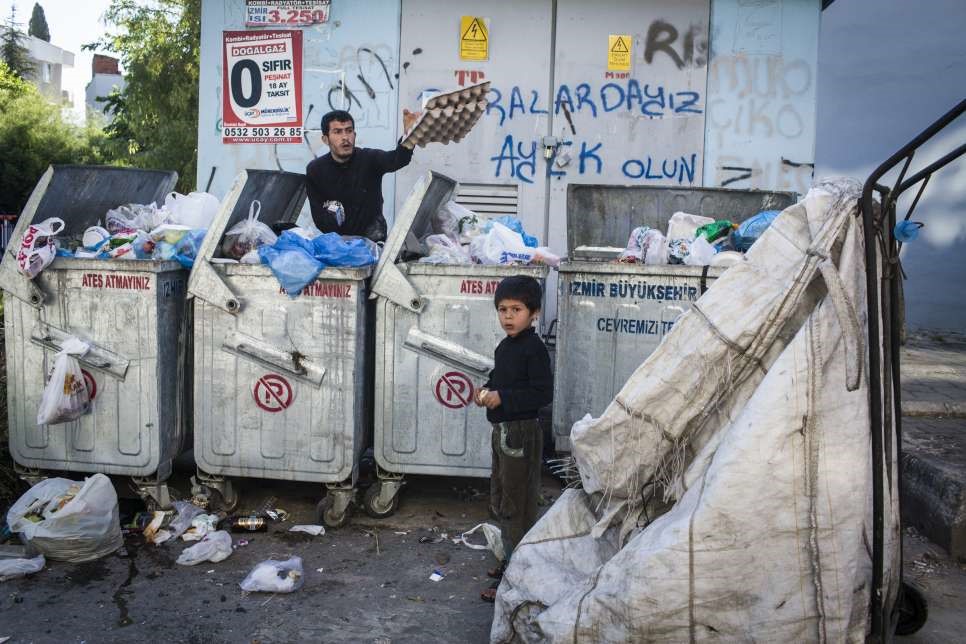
474,38
619,52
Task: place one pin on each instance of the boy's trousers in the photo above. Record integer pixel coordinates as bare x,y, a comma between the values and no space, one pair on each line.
515,481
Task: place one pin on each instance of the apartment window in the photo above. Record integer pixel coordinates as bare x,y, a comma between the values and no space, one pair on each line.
46,72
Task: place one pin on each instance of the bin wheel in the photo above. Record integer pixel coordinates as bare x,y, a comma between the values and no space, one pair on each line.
376,507
229,499
913,610
327,515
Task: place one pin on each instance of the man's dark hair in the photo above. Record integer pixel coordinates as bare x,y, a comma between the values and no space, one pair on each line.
519,287
336,115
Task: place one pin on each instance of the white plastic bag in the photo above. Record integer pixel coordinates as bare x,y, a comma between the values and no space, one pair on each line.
132,217
194,210
443,249
65,397
448,217
683,225
215,547
275,577
13,568
247,235
37,249
501,246
78,521
701,253
494,540
186,514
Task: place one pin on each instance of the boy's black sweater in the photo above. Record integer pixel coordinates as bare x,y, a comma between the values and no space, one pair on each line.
521,374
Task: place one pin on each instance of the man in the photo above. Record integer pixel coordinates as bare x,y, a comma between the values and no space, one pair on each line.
344,187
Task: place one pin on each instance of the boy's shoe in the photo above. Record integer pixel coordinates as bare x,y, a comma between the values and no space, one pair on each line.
489,595
495,573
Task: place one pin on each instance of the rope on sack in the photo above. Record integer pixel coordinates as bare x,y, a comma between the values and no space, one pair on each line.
848,321
811,457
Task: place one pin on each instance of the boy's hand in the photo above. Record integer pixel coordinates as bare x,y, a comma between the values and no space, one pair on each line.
492,400
480,395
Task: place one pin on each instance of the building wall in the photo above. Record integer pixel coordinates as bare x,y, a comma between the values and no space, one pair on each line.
54,59
886,71
102,85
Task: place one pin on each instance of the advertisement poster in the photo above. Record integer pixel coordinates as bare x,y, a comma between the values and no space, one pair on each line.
278,13
262,87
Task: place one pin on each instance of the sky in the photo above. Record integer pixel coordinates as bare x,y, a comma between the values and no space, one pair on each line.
72,23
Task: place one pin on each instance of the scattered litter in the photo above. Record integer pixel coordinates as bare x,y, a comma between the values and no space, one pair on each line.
401,533
208,572
320,570
494,540
242,543
186,513
249,524
314,530
277,514
201,525
275,576
437,576
214,547
153,532
14,568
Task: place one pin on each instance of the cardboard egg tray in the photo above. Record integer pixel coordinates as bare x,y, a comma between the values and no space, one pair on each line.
449,116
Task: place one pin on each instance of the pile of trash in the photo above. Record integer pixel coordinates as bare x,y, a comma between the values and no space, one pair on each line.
696,241
298,255
460,236
173,231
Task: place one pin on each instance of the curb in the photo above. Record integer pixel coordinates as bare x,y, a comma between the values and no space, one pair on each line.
926,409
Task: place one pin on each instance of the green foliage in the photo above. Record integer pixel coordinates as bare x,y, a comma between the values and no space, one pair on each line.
156,114
12,50
33,135
38,23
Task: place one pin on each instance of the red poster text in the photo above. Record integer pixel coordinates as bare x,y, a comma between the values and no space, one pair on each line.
115,280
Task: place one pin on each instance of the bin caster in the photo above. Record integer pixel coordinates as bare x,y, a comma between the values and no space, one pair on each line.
382,498
30,475
154,493
204,482
912,609
333,510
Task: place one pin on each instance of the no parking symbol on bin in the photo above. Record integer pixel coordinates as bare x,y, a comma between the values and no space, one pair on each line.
272,393
454,390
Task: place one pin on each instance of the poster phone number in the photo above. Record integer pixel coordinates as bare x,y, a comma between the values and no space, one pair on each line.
234,134
265,13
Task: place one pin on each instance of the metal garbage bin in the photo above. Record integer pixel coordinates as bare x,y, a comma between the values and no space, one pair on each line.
436,329
611,316
280,382
132,312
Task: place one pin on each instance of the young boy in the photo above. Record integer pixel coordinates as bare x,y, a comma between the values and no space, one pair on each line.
520,384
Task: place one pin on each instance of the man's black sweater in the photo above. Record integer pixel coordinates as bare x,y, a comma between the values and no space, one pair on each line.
357,184
521,374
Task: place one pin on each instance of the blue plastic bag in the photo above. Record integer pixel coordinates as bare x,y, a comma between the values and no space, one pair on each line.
334,250
186,250
293,267
290,240
752,228
514,224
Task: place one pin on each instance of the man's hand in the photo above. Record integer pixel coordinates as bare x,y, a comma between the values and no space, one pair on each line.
409,118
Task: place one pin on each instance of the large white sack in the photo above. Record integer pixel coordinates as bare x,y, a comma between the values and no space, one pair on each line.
756,430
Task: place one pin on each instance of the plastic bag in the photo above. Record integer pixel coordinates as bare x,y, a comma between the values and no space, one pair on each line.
171,233
132,217
643,244
494,540
194,210
677,250
443,249
682,225
247,235
201,525
37,249
186,512
13,568
293,268
700,254
214,547
715,230
65,396
448,217
186,250
500,246
68,520
516,226
752,228
275,577
333,249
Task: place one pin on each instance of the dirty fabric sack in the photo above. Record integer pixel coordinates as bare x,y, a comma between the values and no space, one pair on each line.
730,502
213,547
69,520
275,577
65,396
14,568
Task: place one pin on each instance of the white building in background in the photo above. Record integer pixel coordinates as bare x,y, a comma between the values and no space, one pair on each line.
49,63
105,77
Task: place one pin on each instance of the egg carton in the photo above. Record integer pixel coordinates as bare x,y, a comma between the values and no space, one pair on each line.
449,116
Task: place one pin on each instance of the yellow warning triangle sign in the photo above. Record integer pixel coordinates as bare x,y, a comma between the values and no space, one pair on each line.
475,32
619,46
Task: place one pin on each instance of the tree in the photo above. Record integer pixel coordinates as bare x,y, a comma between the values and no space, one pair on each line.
156,114
33,135
12,50
38,23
